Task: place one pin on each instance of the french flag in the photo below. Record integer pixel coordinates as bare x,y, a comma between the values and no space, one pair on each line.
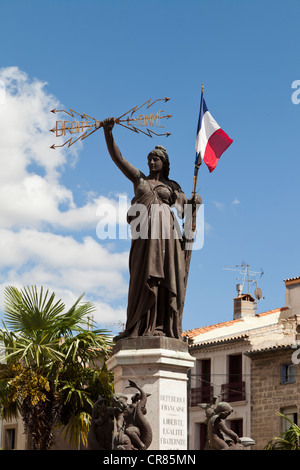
211,140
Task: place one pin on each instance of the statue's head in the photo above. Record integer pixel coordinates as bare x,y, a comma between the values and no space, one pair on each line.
135,398
119,401
223,409
161,152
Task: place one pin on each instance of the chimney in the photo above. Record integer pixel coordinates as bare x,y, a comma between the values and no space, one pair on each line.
292,294
243,304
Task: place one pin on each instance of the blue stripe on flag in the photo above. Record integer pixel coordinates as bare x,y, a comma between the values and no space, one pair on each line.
203,109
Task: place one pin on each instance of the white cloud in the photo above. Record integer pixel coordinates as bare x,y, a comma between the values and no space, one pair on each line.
26,198
236,202
219,205
32,251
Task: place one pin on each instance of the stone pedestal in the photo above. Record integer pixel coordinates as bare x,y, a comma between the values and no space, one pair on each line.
159,365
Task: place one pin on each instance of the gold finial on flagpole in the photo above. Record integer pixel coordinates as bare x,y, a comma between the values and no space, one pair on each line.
202,88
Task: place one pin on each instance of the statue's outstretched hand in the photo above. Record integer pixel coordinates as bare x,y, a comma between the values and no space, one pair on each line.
108,123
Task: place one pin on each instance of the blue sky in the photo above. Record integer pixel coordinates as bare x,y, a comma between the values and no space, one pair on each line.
102,58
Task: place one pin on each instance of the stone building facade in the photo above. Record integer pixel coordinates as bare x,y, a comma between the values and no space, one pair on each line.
252,362
272,391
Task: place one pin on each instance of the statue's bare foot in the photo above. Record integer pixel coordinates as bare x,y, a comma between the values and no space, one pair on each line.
159,333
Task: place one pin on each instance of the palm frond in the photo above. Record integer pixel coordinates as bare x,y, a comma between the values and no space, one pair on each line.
76,431
287,440
33,353
76,318
26,310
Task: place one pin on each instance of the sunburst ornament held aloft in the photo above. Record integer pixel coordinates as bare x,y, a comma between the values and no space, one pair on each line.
86,125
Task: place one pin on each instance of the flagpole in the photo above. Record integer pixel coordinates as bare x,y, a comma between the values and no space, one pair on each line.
198,160
188,252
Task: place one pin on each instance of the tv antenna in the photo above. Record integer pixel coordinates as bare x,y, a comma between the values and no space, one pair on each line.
249,277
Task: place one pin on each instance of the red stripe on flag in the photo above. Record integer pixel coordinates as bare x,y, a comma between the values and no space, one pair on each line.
218,142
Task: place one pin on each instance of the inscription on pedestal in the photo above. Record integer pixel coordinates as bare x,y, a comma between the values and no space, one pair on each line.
160,364
173,412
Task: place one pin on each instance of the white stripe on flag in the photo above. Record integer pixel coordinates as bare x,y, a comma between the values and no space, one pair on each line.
208,127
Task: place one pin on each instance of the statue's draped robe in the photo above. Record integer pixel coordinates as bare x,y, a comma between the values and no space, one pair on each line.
156,262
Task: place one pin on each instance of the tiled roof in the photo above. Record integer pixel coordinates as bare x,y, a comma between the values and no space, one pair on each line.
270,348
275,310
221,340
205,329
291,279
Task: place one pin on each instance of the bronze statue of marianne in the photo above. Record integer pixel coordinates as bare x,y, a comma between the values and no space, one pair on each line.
157,259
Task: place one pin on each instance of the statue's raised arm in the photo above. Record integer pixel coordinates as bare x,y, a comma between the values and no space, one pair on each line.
126,167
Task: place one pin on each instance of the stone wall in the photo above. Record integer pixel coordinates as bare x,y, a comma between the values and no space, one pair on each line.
269,395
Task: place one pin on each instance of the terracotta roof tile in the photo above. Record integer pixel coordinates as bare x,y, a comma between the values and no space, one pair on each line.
275,310
204,329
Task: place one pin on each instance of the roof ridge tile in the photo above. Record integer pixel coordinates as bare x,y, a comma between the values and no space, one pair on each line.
204,329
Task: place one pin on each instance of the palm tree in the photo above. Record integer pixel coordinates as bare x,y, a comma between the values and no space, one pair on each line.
54,368
287,440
